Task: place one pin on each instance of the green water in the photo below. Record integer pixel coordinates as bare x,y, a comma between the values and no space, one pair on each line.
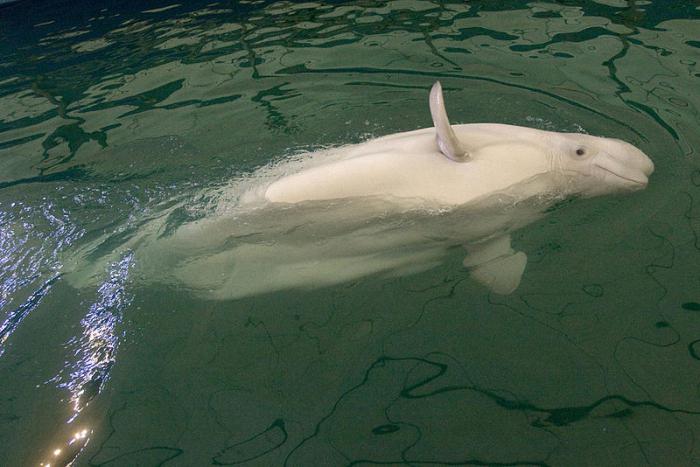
112,112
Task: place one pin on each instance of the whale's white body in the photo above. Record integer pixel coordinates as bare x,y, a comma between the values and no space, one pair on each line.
391,206
410,166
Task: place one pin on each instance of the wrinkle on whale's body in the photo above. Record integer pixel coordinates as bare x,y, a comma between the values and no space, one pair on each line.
390,206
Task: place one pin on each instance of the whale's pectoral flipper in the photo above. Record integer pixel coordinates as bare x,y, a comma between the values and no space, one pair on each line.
447,141
496,265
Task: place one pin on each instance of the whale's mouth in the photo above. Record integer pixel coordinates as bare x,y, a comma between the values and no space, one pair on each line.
629,170
641,179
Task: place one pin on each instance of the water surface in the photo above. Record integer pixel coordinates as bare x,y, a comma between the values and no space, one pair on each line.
112,113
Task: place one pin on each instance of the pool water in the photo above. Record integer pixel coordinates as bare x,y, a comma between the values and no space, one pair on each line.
114,113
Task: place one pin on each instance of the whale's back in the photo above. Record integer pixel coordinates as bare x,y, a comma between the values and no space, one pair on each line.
410,166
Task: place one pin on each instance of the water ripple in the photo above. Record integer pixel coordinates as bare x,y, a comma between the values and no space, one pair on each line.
31,241
113,112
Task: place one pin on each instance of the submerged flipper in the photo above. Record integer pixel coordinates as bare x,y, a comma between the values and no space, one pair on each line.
447,141
496,265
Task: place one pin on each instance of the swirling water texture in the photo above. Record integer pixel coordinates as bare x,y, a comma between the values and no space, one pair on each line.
109,112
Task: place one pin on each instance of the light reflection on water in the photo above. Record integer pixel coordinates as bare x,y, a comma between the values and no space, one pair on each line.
29,257
95,350
95,354
66,454
114,112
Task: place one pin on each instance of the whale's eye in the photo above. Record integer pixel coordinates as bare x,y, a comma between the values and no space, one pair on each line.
580,152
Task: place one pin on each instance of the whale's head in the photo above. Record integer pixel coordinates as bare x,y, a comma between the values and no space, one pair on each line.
597,166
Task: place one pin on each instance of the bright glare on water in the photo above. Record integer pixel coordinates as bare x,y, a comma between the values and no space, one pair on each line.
121,123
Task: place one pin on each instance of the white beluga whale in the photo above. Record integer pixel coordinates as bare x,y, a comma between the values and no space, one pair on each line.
390,206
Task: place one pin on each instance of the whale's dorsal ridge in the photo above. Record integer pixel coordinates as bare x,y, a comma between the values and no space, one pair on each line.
446,139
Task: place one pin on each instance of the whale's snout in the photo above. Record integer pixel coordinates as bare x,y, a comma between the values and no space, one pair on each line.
640,166
647,165
636,159
625,167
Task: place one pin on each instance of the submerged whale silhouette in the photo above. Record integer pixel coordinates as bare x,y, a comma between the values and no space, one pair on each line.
391,206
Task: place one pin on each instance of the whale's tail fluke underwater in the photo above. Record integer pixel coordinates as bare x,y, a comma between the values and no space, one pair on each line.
390,206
